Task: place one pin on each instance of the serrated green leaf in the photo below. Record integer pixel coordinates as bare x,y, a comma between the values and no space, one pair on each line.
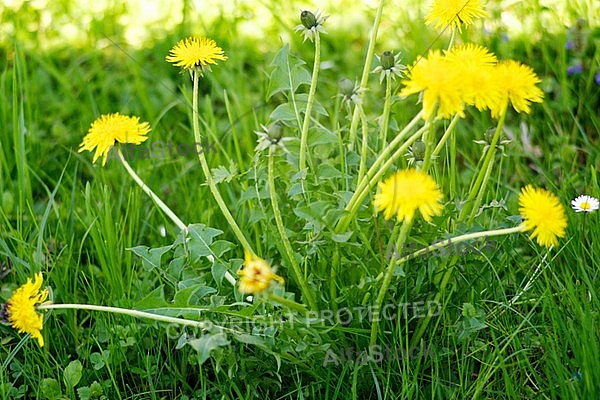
218,270
328,171
184,297
207,343
154,299
200,239
72,374
221,173
288,74
150,257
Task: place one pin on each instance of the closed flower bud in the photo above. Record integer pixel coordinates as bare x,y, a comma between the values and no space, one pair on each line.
275,132
308,19
418,150
346,87
387,60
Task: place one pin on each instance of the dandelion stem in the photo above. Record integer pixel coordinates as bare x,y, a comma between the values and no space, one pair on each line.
386,281
365,143
211,184
310,101
286,242
365,73
125,311
152,195
445,136
385,116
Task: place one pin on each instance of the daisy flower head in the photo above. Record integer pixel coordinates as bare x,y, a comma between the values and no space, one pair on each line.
389,67
544,214
585,203
440,82
312,24
407,191
256,275
196,53
518,86
21,311
111,128
452,14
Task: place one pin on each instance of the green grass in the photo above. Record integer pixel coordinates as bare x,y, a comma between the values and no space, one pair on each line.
517,321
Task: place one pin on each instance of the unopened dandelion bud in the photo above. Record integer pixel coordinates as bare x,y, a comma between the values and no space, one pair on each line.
308,19
275,132
489,134
346,87
418,150
387,60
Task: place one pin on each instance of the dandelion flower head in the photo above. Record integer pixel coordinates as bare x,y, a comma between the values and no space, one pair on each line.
256,275
454,13
544,214
407,191
22,314
111,128
518,87
195,52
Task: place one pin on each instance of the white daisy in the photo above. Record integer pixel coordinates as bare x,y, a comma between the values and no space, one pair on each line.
585,203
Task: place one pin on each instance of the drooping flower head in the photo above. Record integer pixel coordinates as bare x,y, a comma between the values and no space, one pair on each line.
111,128
407,191
256,275
585,203
544,214
518,86
454,13
195,53
441,83
21,311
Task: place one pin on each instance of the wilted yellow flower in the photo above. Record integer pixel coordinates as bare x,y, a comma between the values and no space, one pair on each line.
517,86
111,128
22,314
195,52
407,191
453,13
256,274
544,214
475,65
440,82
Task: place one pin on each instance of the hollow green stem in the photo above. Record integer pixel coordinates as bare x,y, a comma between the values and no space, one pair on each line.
151,194
125,311
445,136
365,143
366,70
385,116
211,184
310,101
289,303
308,296
387,279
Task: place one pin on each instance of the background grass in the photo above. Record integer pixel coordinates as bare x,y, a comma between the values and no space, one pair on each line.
75,220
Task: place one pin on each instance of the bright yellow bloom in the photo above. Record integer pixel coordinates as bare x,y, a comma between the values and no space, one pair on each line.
475,65
21,308
111,128
517,86
544,214
195,52
453,13
440,82
256,275
405,192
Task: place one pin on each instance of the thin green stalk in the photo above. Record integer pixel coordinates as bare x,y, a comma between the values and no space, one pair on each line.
151,194
386,282
213,187
310,101
289,303
365,143
428,139
445,136
286,242
125,311
481,182
385,116
366,71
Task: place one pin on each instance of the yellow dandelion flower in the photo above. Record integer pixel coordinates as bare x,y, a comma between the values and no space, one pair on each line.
256,275
544,214
407,191
517,86
195,52
475,65
21,308
454,13
440,83
111,128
